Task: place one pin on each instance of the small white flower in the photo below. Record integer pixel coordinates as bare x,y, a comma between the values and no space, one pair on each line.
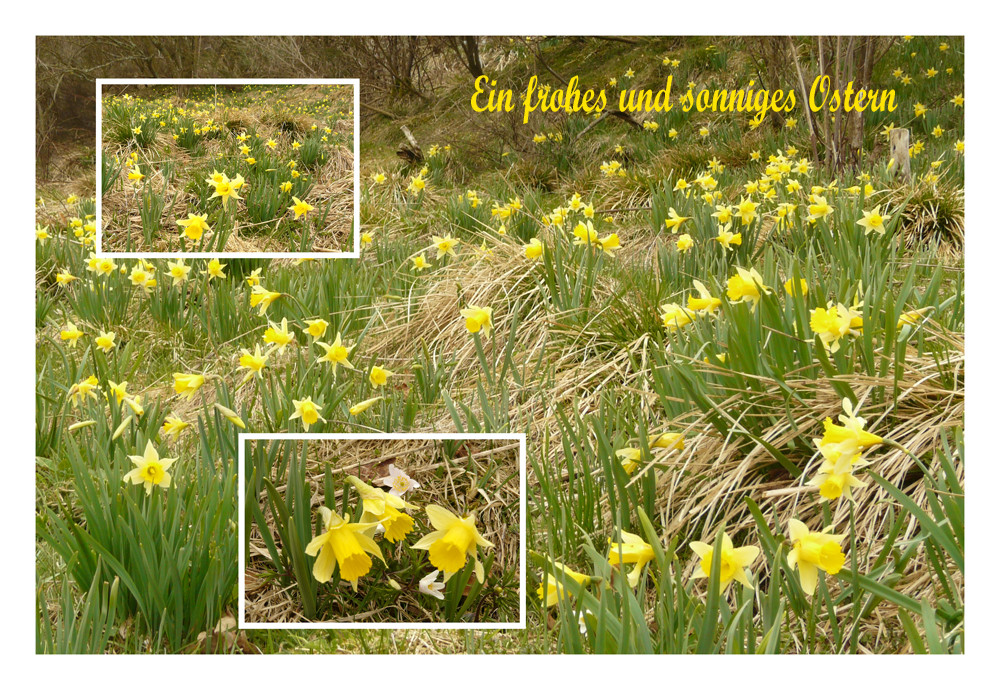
398,481
429,586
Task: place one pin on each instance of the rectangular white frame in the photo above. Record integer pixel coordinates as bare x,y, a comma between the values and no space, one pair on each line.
334,625
356,247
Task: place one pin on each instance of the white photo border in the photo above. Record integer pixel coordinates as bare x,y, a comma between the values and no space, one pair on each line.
521,438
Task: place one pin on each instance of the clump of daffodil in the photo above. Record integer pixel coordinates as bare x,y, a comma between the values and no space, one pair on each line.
733,562
150,470
812,552
631,549
453,541
478,319
342,543
385,509
551,591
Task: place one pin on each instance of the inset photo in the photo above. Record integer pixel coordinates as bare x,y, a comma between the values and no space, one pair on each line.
382,530
228,168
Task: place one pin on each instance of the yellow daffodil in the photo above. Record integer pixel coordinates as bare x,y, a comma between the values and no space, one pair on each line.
835,477
83,389
307,411
629,458
851,428
105,341
444,245
833,323
453,541
195,226
803,288
478,319
551,591
746,286
419,262
214,269
385,509
316,328
631,549
378,376
186,385
812,552
178,271
226,189
254,362
534,249
610,244
342,543
150,470
230,416
704,301
733,562
873,221
585,234
262,298
746,210
669,439
675,316
173,426
819,208
70,333
278,336
299,207
360,407
336,354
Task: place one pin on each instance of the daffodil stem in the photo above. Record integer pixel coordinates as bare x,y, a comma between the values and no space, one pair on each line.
482,359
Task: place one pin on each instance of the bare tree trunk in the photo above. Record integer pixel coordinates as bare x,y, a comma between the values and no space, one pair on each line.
899,149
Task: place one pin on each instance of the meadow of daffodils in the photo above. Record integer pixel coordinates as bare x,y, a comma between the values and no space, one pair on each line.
249,168
740,373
